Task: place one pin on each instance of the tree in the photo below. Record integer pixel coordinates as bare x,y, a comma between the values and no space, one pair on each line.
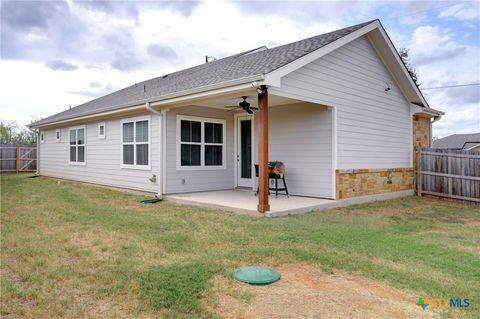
12,133
403,52
5,134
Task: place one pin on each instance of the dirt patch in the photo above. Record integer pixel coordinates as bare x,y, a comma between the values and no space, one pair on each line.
305,292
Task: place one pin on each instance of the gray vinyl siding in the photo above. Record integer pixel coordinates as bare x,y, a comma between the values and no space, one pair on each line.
102,157
301,137
373,126
198,180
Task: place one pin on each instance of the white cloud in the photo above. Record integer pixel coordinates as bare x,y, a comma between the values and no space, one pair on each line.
31,89
229,32
462,11
441,60
466,120
429,36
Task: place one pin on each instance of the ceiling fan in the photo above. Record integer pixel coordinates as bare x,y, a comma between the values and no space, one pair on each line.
244,105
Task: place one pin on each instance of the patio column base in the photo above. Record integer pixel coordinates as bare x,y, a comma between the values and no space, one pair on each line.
263,208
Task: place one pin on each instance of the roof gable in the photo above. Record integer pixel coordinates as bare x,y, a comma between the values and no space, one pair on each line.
381,43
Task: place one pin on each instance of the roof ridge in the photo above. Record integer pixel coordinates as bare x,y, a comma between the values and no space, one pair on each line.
319,36
462,134
324,34
190,68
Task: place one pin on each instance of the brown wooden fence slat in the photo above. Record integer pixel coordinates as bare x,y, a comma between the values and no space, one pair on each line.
473,155
473,178
449,173
452,196
18,158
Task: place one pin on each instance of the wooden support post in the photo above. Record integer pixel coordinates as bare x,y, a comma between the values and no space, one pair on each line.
17,158
263,205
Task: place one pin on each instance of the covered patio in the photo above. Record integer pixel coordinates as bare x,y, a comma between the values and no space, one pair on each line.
273,127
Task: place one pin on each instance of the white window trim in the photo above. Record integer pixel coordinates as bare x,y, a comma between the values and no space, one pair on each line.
202,144
57,137
100,136
84,145
149,142
42,137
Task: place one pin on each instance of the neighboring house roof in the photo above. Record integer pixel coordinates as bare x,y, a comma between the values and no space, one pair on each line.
246,65
458,141
471,145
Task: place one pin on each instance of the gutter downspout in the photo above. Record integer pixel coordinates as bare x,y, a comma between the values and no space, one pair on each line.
161,170
435,119
164,150
38,154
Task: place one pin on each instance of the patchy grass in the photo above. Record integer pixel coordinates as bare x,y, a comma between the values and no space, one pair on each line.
73,250
176,288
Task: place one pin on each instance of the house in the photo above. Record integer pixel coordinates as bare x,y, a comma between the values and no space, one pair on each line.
466,142
339,109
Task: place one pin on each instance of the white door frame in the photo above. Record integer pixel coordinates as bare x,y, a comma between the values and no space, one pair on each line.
236,146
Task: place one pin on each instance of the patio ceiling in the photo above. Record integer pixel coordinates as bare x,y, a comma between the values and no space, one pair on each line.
233,99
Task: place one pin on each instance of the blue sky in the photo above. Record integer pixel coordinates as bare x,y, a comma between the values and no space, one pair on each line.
60,53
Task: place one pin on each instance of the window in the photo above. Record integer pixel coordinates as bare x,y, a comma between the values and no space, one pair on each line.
101,130
57,135
77,145
190,143
136,143
200,143
42,137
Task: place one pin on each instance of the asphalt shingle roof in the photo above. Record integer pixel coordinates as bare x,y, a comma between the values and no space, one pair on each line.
235,67
457,141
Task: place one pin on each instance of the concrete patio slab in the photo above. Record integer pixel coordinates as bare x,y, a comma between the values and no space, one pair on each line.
245,202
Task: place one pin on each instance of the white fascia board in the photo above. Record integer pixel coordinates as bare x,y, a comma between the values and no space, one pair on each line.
87,117
416,109
436,112
251,84
402,66
273,78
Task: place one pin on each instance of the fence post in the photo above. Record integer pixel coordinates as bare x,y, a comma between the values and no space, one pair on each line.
17,158
419,172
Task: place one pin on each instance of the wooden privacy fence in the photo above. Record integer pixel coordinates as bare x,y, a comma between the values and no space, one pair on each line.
449,174
18,158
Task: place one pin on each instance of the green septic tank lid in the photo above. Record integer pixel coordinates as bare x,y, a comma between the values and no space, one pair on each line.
256,275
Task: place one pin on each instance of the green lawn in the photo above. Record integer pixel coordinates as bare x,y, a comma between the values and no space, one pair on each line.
74,250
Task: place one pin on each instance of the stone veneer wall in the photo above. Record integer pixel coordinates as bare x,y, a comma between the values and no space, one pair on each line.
362,182
421,138
421,134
